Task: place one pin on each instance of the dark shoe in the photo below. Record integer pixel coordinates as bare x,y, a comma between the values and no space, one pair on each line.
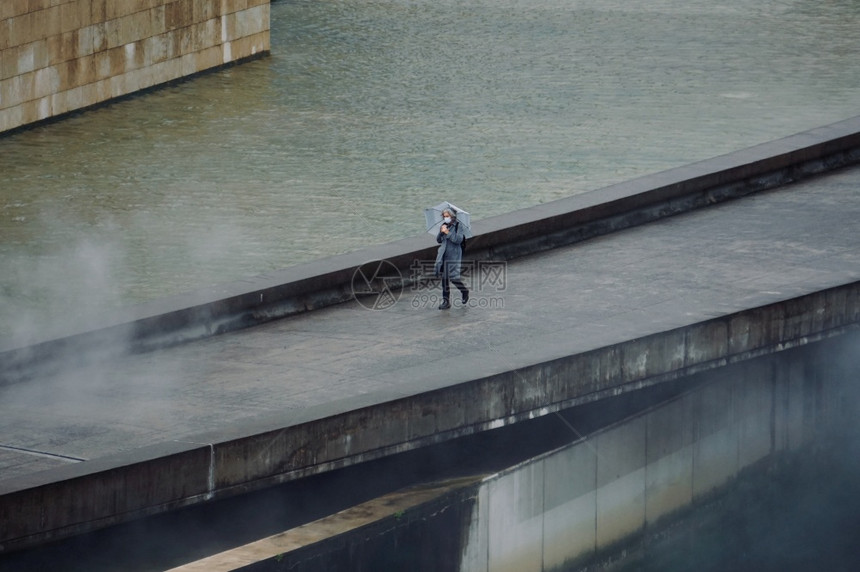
444,305
465,297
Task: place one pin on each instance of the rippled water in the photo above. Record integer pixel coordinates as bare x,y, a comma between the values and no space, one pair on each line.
367,111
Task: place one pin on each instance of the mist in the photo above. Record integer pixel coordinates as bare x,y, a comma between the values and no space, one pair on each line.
94,267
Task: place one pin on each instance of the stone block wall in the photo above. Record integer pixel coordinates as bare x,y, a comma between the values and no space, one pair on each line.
58,56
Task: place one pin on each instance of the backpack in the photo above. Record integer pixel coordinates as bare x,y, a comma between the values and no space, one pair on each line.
462,244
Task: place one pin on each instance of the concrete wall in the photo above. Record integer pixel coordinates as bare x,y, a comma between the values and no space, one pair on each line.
58,56
549,512
556,510
297,443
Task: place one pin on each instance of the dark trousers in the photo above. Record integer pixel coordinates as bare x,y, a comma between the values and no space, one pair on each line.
446,289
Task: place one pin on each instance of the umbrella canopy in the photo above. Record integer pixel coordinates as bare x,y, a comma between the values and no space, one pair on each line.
433,218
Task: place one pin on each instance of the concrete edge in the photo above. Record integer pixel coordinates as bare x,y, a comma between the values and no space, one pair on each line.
131,95
240,304
368,519
264,452
332,533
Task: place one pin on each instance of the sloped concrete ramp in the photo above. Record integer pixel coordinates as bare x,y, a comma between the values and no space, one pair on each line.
106,437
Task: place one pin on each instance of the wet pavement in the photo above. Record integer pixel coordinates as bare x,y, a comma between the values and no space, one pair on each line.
681,270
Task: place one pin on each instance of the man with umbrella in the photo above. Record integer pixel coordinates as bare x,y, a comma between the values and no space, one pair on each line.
450,238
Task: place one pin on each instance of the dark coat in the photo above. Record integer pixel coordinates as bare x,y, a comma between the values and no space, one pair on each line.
450,252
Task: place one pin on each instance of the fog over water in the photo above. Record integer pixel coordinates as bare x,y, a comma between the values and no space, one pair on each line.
366,112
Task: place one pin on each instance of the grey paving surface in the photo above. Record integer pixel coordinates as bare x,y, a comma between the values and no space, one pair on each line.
686,269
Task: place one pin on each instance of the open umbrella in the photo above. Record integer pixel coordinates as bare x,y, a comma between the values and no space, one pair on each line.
433,218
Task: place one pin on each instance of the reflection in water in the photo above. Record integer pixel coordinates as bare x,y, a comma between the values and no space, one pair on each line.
367,112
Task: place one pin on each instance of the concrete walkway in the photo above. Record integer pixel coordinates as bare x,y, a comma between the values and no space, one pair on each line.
746,253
